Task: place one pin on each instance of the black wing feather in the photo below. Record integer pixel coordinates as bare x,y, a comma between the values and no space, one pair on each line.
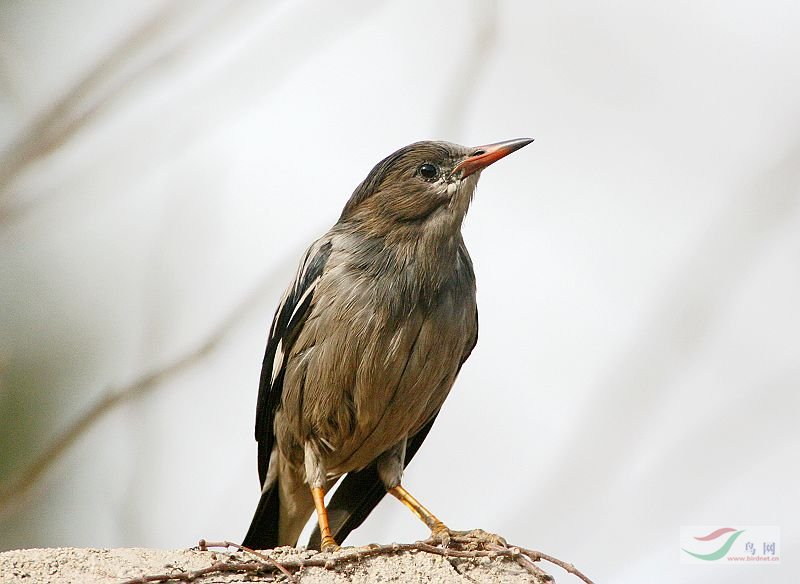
288,321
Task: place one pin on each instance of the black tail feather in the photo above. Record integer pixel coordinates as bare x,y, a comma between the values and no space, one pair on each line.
263,532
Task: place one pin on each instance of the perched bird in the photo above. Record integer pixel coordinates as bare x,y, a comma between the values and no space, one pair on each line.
366,344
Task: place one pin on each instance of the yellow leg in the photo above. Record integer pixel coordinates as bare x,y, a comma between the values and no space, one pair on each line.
328,543
438,529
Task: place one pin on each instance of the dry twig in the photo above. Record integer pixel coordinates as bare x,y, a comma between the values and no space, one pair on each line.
204,545
460,547
534,555
12,492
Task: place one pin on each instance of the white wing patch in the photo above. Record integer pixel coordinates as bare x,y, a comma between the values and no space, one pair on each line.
277,362
305,295
282,303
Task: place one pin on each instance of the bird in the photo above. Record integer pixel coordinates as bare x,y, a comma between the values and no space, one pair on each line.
365,346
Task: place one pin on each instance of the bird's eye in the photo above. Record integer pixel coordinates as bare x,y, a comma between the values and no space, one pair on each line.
428,171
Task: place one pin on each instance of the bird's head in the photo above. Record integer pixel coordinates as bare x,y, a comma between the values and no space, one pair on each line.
426,185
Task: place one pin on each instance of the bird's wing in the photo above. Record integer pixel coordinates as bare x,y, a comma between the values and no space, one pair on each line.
287,323
360,492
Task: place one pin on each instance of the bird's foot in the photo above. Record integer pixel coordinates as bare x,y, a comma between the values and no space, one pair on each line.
441,534
482,537
474,538
329,545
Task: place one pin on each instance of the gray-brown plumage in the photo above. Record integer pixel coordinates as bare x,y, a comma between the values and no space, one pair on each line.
366,344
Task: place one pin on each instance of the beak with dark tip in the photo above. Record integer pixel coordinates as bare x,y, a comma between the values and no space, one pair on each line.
483,156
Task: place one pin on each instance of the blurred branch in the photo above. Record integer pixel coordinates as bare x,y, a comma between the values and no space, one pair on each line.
175,31
69,114
14,491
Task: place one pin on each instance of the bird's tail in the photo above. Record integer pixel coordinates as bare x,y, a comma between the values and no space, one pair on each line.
263,532
283,509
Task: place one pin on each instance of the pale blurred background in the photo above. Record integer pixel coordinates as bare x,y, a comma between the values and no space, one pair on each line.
164,164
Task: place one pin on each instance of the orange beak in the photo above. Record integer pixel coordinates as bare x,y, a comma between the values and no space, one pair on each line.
483,156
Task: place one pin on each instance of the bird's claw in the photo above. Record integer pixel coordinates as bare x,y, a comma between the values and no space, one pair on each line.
441,534
329,545
484,537
444,536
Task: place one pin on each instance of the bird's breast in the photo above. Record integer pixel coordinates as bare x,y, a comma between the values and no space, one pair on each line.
374,361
